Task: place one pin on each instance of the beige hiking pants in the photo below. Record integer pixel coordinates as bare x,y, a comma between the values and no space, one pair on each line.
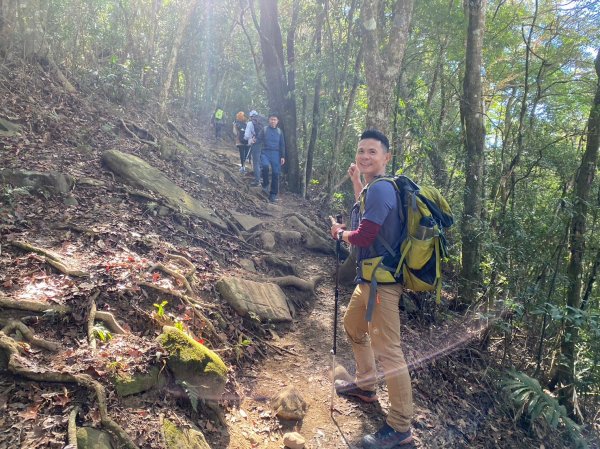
381,339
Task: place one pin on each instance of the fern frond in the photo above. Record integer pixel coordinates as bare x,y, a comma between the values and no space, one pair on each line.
532,401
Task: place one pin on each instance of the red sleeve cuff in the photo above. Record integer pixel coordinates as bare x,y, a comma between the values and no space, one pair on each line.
365,235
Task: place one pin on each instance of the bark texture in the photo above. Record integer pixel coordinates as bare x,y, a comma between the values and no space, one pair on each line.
384,51
471,108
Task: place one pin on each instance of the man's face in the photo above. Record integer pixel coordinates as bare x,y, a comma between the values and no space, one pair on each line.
371,157
273,121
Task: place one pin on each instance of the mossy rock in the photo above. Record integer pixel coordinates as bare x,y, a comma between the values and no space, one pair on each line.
90,438
176,438
170,149
201,369
128,384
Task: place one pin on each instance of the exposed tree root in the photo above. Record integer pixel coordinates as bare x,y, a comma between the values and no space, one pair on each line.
72,428
176,274
34,306
17,366
51,258
11,326
90,326
191,267
138,133
294,281
110,321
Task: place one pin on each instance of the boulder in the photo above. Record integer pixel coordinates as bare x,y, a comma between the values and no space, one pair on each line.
293,440
128,384
141,174
90,438
289,405
267,241
247,222
312,239
265,300
201,369
183,438
54,181
170,149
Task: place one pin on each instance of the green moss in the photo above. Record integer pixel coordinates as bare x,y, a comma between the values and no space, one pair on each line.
183,439
127,384
192,362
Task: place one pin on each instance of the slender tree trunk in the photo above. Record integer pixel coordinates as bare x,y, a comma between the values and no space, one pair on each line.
384,51
583,185
474,133
184,19
280,89
316,115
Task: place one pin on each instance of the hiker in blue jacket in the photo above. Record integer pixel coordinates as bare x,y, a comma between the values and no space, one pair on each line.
372,319
273,156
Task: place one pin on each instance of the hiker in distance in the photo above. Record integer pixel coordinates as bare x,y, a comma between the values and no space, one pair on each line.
273,156
372,320
217,120
239,129
252,135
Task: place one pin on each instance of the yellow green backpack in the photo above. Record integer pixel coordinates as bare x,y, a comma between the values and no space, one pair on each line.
424,214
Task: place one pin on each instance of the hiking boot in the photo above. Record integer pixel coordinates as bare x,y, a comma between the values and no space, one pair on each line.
386,438
242,170
345,388
273,198
254,184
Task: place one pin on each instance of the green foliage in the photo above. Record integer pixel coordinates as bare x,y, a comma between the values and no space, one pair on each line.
539,407
160,308
101,333
191,393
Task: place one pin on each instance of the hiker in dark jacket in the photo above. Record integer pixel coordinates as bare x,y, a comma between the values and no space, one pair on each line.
252,135
239,129
372,320
273,156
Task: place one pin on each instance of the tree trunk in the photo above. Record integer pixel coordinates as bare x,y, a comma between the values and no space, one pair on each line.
316,115
184,19
583,185
383,57
280,89
471,108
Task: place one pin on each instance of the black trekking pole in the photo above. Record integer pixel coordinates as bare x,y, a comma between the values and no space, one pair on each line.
338,246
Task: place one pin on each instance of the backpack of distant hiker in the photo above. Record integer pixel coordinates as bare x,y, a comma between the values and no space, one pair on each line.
424,214
241,129
260,123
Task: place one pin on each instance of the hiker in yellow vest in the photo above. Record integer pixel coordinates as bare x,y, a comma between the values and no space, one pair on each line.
373,327
217,120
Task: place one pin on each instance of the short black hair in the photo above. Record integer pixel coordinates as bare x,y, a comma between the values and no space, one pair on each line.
373,133
273,114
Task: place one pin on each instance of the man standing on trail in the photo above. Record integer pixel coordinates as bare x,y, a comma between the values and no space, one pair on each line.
372,320
273,156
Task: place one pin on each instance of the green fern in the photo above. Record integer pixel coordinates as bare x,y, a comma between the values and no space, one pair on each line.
532,401
191,393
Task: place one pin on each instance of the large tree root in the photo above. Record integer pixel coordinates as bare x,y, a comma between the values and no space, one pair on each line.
294,281
51,258
14,325
72,428
18,367
176,274
40,307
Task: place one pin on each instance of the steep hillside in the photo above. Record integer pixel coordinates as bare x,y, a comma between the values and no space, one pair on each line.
93,266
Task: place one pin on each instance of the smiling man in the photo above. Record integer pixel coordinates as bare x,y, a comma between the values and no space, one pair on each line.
372,320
